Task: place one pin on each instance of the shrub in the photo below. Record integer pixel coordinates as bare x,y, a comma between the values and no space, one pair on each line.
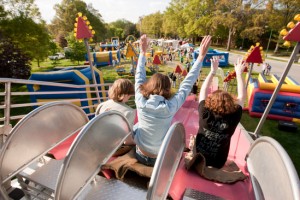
13,62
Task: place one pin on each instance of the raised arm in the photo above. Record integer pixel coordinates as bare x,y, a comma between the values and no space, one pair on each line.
188,82
204,47
239,67
140,75
205,86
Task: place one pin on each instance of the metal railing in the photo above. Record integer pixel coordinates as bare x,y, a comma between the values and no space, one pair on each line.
16,101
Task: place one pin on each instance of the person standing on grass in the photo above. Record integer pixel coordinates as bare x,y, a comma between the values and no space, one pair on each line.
155,105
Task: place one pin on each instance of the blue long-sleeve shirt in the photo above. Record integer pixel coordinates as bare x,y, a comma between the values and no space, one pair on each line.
155,113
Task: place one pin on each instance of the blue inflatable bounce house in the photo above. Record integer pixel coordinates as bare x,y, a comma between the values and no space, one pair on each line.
223,57
76,77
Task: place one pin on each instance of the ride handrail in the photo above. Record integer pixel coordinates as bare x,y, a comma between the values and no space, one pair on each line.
15,102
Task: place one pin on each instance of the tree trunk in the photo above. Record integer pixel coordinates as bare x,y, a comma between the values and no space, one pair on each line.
277,47
229,39
38,62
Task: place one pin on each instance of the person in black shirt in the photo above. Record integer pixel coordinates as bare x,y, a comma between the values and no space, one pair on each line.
219,115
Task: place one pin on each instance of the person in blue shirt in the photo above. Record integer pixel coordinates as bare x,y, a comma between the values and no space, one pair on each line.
156,106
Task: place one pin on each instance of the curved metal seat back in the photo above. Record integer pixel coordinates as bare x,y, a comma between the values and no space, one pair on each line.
167,162
271,170
37,133
95,144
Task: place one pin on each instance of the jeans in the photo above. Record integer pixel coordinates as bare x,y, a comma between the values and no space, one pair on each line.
144,159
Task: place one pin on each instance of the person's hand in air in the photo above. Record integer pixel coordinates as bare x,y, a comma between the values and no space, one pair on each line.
204,47
239,66
143,44
214,64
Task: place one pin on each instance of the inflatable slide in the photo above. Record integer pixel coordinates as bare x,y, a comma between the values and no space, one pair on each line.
76,77
286,106
223,56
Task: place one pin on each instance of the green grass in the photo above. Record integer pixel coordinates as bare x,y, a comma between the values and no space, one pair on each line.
50,64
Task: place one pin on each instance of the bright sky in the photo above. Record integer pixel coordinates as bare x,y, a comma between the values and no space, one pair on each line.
111,10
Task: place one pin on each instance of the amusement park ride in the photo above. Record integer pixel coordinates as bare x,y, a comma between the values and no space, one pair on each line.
57,151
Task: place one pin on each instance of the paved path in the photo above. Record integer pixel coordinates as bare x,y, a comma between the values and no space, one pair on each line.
278,66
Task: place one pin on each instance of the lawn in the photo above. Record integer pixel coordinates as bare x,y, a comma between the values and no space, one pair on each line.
289,141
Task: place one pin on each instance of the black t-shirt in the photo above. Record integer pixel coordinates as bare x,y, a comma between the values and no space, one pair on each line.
214,134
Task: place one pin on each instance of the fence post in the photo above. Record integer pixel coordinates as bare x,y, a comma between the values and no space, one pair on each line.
6,128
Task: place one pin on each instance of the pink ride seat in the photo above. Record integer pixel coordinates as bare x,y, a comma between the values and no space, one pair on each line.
60,151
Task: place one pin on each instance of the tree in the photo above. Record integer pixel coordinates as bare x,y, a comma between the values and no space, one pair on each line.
228,13
32,38
66,12
278,14
53,47
151,24
198,15
13,62
121,28
173,22
24,26
23,8
61,40
77,49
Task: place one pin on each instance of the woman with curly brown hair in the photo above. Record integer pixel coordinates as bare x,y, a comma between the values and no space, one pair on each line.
219,115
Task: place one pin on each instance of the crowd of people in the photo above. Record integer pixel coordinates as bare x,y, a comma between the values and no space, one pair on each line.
219,112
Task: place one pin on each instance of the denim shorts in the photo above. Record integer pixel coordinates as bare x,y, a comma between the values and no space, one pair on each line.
144,159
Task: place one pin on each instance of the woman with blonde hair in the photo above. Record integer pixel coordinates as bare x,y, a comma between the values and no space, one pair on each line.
219,115
155,105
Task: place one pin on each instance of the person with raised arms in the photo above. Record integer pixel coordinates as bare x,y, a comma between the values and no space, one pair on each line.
156,106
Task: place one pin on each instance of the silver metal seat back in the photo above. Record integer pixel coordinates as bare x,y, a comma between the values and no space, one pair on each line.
272,172
37,133
95,144
167,162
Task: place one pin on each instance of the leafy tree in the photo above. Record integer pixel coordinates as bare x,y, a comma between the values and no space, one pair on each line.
23,8
77,50
53,47
122,28
278,14
197,15
31,37
151,24
228,13
13,62
66,12
24,26
61,40
2,11
173,22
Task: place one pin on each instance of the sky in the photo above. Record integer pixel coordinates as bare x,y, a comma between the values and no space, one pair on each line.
111,10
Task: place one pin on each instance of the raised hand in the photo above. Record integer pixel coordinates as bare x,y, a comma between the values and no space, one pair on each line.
214,64
204,47
143,44
239,66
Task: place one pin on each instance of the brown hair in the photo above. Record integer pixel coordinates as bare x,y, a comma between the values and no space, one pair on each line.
120,88
221,103
158,84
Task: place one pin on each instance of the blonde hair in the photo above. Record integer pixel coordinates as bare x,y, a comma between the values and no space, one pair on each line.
158,84
120,88
221,103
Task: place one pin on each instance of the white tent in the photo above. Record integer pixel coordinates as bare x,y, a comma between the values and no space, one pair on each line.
172,43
